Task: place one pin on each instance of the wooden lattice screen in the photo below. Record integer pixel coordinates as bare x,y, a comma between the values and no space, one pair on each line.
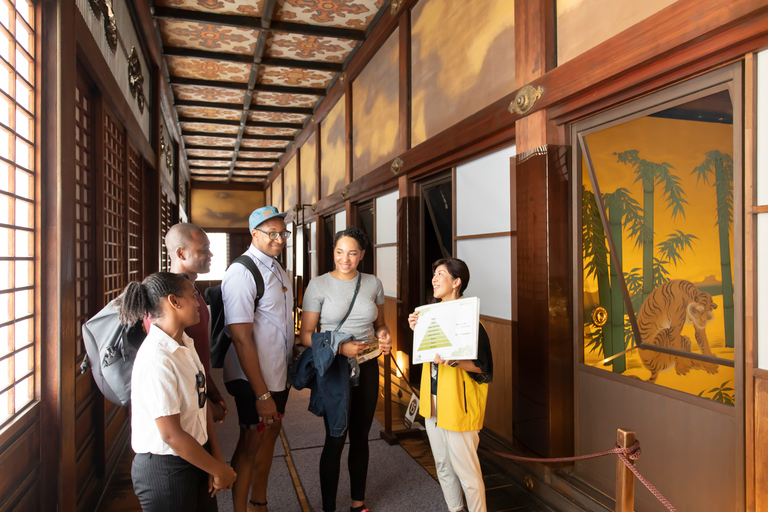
114,209
166,221
84,198
134,214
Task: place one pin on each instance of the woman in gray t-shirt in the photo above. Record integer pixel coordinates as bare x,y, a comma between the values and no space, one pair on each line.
326,302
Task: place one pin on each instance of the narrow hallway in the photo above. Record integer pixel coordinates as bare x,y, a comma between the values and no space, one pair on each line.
400,477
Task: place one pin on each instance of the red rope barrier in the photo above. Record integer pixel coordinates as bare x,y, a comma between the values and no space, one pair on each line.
625,454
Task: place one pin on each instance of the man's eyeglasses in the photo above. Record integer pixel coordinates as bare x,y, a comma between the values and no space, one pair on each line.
274,234
200,383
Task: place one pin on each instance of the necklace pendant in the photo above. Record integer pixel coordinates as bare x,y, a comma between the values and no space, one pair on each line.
285,289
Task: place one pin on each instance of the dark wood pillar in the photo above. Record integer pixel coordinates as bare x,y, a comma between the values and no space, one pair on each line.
55,259
543,352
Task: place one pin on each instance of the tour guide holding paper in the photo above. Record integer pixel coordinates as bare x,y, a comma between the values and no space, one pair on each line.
455,408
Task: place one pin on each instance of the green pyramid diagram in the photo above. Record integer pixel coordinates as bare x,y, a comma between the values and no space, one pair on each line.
434,337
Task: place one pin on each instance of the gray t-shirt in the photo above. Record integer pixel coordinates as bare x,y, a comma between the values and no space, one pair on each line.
331,297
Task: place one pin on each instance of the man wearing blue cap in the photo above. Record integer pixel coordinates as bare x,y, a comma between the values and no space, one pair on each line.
256,364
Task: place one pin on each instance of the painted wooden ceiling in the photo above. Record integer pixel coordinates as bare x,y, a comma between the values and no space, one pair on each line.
246,75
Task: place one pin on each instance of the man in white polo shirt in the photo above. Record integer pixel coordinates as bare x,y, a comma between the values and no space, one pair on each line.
256,365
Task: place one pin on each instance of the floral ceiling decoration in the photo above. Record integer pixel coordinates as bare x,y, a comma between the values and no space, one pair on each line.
247,75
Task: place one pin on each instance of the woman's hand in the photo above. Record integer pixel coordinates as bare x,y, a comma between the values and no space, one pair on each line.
385,340
440,360
221,480
352,348
412,319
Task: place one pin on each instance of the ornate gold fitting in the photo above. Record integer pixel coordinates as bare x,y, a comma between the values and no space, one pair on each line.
136,78
344,192
342,77
396,166
104,7
525,100
599,316
314,208
394,7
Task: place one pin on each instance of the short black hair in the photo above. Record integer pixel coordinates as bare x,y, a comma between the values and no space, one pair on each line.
352,232
458,270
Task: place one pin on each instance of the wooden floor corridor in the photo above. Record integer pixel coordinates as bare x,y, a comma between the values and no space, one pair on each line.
502,493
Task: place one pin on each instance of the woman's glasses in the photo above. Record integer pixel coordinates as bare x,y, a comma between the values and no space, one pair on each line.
200,383
274,234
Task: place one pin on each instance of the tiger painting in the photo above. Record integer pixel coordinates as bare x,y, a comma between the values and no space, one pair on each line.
661,319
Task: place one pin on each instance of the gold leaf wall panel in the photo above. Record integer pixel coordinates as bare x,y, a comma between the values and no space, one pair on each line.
308,155
268,195
456,71
605,19
277,192
333,166
232,207
289,184
375,104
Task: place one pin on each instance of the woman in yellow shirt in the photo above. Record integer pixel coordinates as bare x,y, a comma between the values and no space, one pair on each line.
455,407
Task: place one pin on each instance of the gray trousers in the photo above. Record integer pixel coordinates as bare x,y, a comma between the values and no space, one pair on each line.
168,483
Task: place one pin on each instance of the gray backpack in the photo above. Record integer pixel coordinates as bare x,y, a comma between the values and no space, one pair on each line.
111,349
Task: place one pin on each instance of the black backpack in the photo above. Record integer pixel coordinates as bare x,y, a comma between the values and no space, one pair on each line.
220,341
113,347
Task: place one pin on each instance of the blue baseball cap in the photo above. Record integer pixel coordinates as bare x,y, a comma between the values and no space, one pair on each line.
263,214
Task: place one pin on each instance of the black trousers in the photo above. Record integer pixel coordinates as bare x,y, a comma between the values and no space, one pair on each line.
168,483
362,407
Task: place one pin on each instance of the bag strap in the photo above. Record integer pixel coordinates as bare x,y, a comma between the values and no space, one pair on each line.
248,263
351,304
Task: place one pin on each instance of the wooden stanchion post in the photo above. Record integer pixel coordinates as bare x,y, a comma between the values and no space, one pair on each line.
625,479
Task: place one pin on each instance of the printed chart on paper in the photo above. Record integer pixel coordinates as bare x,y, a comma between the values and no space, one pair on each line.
447,328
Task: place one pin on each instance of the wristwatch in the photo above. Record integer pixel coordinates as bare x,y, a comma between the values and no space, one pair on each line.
453,364
265,396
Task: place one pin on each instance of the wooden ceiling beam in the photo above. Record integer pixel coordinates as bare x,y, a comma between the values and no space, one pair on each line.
254,23
232,122
172,51
206,120
245,136
236,106
284,89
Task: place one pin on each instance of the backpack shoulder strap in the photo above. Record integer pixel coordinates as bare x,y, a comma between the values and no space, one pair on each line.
248,263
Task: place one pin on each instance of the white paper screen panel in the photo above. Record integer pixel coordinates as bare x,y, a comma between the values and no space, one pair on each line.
386,218
289,248
483,191
386,269
491,274
762,127
762,290
340,221
313,252
299,235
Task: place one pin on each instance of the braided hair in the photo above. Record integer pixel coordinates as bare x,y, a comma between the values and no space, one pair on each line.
352,232
140,299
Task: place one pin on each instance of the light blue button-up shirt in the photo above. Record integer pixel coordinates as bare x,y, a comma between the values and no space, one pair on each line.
273,331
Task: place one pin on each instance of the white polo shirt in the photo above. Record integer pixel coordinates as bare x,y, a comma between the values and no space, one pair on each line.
163,384
273,331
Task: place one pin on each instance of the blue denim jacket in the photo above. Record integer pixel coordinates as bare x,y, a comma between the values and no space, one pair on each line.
327,375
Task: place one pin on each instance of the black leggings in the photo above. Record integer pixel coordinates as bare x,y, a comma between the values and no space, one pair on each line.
362,406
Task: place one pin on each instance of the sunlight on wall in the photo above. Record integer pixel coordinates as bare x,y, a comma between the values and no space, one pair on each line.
308,153
277,192
333,161
375,100
605,19
457,72
289,184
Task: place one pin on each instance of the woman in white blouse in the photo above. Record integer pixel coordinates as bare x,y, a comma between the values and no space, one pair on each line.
178,464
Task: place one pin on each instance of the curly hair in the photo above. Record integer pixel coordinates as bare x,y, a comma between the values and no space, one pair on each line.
140,299
353,232
458,270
